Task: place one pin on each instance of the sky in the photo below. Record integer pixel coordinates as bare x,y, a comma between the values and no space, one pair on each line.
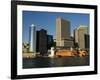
47,21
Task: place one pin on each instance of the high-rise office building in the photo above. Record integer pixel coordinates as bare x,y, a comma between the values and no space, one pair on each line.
49,41
87,38
42,42
32,38
37,41
63,38
82,37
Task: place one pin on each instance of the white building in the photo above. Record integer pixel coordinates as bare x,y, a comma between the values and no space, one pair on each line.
32,38
79,35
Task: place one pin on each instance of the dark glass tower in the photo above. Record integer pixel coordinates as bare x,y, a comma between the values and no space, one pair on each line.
49,41
42,42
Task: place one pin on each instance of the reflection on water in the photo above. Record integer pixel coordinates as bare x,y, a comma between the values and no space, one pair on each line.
41,62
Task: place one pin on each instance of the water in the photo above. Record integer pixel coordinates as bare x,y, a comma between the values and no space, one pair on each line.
42,62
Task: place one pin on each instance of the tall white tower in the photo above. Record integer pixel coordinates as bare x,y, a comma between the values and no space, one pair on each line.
32,38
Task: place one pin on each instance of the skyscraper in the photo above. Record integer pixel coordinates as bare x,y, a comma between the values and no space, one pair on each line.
82,36
32,38
63,38
37,41
50,41
42,41
87,41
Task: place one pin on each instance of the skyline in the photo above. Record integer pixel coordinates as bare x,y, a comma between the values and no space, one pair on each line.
47,21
